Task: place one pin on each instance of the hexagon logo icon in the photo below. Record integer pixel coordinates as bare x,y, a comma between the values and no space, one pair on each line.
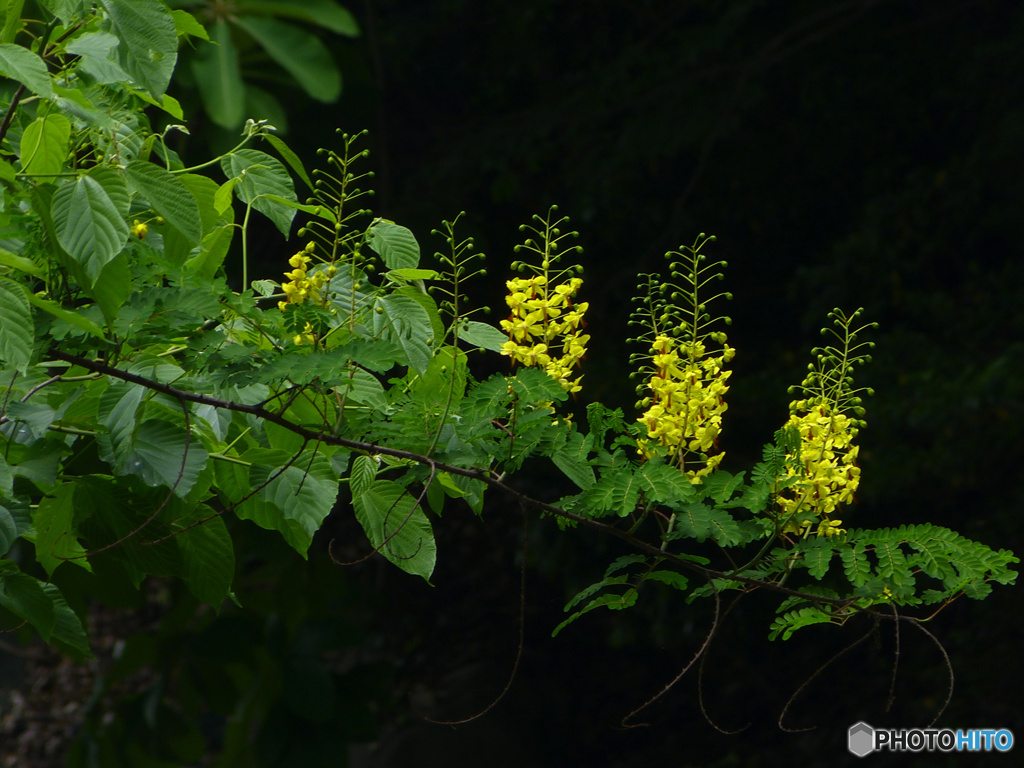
861,739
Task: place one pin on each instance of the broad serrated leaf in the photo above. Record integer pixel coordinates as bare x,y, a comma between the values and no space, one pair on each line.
20,263
16,330
162,454
97,52
56,536
150,43
394,243
303,493
397,527
25,66
261,175
89,220
300,53
24,596
186,24
219,77
207,554
8,530
75,319
289,157
404,321
323,13
44,145
482,335
364,472
168,196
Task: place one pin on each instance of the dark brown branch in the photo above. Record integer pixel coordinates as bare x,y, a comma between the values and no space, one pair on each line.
485,476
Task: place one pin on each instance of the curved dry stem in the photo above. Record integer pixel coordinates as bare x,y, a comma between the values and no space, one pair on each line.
696,657
813,676
519,647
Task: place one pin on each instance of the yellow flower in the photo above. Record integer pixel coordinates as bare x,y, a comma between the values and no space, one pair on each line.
140,229
684,411
545,327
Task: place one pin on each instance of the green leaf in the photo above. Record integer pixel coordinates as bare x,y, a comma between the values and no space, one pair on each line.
300,53
76,319
259,175
44,145
24,596
289,157
56,537
207,554
219,78
89,217
96,52
20,263
672,578
8,530
482,335
324,13
397,527
168,196
28,68
693,521
364,472
855,564
185,24
112,287
395,244
12,22
609,601
6,479
150,42
666,484
571,458
790,622
16,330
300,497
404,321
67,634
158,456
817,556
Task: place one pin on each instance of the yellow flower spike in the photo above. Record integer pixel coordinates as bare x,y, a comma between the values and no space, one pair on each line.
543,327
140,229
